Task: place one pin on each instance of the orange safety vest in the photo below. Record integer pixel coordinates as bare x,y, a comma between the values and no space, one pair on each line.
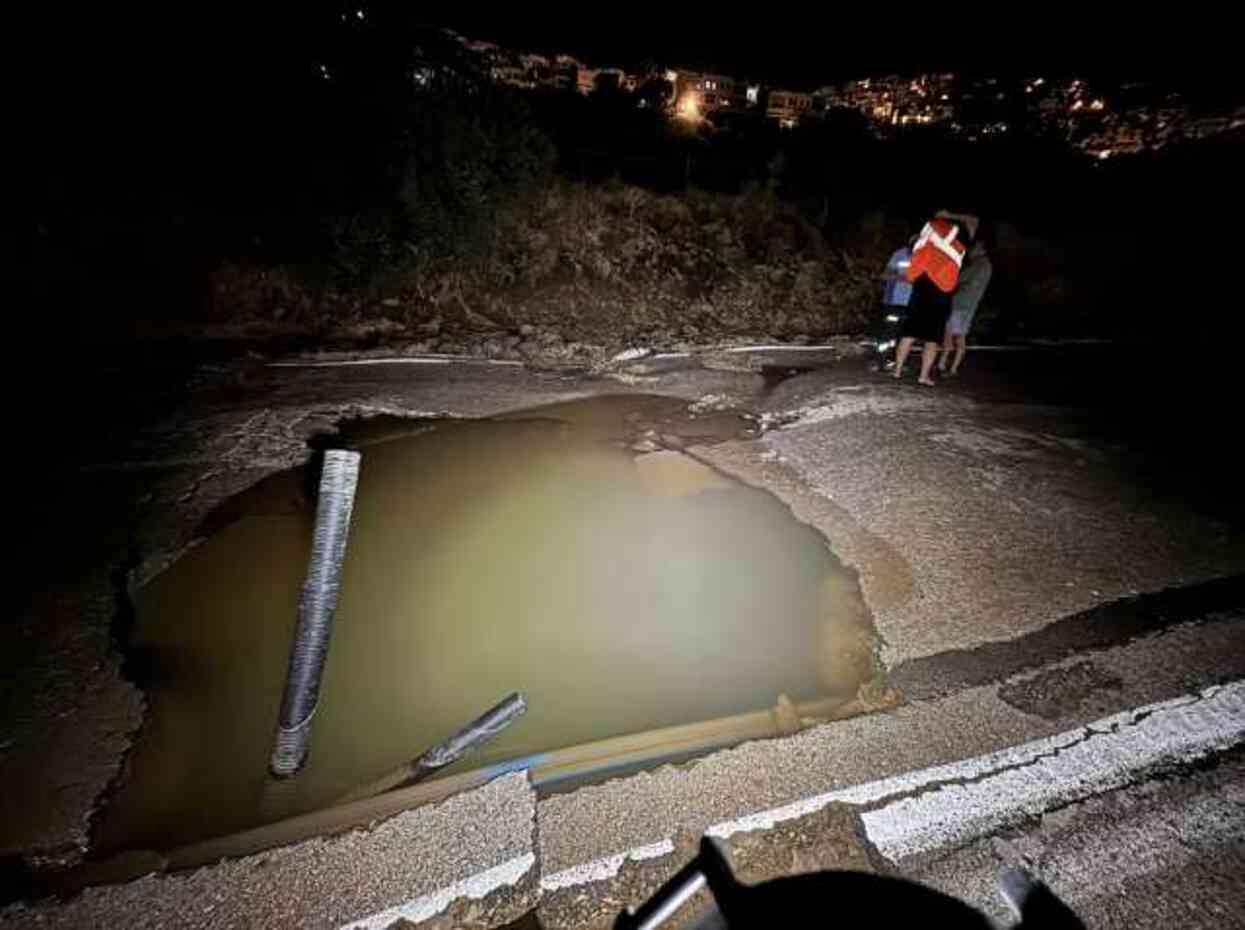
938,253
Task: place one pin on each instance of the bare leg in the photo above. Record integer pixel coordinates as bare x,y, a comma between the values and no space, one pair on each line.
901,356
947,340
961,346
927,362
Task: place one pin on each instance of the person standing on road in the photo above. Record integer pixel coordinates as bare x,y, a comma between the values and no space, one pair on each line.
896,292
898,289
934,273
974,278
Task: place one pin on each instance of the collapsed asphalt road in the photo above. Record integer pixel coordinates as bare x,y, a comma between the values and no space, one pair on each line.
1006,550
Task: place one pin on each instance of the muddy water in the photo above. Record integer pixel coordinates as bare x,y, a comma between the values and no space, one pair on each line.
619,591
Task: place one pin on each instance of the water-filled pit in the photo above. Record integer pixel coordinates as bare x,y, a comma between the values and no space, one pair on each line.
619,590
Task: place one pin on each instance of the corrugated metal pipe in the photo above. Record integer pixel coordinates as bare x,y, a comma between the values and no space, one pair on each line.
471,737
338,479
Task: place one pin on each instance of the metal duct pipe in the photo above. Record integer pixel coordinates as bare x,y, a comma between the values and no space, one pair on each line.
472,736
338,479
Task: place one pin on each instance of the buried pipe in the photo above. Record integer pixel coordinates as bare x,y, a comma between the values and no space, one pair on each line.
544,769
469,738
338,479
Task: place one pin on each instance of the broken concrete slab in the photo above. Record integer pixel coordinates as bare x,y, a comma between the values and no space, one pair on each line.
1007,518
634,825
474,852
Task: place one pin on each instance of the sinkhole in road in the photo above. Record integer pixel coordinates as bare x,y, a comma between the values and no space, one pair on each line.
576,553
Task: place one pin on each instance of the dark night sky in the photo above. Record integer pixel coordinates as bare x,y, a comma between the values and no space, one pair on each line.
209,61
813,44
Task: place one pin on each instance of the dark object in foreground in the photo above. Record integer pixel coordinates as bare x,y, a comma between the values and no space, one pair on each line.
471,737
890,902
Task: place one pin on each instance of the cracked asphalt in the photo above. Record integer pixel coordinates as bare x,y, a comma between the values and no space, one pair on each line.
1164,853
1031,563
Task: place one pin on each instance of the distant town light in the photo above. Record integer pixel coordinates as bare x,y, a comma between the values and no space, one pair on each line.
884,101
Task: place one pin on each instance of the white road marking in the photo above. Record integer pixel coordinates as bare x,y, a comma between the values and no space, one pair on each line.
776,348
1110,754
353,362
630,355
400,360
954,803
601,869
429,905
434,358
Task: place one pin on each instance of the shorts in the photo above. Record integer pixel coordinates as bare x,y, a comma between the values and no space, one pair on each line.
960,322
927,312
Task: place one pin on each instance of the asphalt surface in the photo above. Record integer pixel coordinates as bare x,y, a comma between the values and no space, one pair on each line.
1012,547
1167,852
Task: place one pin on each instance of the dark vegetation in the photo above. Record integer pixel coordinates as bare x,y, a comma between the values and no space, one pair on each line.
343,180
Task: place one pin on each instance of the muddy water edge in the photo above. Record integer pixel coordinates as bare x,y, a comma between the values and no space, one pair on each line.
573,552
